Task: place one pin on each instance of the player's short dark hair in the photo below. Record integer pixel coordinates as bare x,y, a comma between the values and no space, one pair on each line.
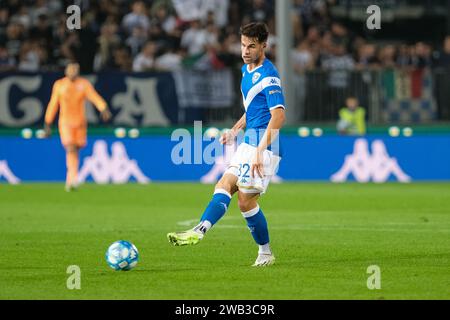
255,30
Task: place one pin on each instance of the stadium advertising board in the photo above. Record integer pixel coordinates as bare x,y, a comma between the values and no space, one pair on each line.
108,159
135,99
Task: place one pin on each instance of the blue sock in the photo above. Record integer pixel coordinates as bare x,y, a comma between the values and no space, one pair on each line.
215,209
257,224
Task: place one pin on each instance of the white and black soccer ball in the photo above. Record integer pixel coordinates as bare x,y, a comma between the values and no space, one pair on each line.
122,255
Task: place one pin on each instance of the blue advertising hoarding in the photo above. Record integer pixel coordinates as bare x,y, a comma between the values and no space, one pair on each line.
108,159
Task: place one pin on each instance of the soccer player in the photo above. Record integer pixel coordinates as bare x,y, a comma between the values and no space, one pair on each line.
68,95
257,157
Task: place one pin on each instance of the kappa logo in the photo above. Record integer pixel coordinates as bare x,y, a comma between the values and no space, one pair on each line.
6,172
273,81
256,77
117,168
365,166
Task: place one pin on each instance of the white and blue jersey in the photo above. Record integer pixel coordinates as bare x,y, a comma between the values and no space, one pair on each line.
261,93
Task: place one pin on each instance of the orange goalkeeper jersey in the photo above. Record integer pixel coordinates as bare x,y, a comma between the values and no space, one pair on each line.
69,96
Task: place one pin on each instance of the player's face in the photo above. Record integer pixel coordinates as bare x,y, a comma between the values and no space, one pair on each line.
252,50
352,103
72,71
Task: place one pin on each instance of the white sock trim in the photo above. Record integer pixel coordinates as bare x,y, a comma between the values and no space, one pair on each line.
264,249
222,191
251,213
203,227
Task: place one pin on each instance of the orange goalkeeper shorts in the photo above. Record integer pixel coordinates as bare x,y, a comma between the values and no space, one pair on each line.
73,135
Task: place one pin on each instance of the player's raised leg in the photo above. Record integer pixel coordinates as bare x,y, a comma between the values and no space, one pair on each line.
257,223
215,210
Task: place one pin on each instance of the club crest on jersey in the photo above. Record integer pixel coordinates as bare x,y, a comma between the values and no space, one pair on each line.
255,77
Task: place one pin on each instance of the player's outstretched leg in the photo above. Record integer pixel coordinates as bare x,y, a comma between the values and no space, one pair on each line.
257,223
213,212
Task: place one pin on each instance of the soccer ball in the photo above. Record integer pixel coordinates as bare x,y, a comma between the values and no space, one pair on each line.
122,255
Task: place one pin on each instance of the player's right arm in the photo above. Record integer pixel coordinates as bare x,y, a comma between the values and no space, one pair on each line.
52,108
228,137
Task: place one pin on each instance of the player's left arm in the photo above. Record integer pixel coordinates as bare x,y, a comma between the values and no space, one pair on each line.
93,96
272,132
275,103
273,128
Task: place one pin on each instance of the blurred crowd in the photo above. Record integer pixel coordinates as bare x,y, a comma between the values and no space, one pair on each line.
165,35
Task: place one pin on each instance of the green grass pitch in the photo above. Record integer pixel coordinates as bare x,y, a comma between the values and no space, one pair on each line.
324,236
